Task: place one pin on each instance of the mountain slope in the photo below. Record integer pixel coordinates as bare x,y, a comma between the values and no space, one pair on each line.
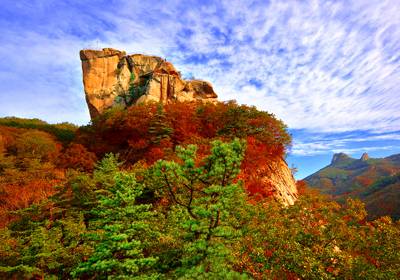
383,197
141,109
374,180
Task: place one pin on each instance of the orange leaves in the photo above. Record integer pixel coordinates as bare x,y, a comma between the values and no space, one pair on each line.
138,144
27,169
257,188
269,252
18,196
36,144
257,156
151,131
301,187
154,154
78,157
186,121
182,119
364,181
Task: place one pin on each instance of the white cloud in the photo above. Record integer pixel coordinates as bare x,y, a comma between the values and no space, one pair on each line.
324,66
312,149
356,142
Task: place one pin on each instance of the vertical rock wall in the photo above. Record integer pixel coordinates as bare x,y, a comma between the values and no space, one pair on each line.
280,176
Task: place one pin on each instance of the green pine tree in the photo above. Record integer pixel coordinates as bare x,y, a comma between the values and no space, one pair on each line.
207,201
158,128
122,230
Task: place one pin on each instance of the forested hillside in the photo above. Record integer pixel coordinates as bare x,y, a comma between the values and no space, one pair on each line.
175,191
373,180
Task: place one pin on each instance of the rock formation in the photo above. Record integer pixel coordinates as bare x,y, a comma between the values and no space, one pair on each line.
339,158
364,157
111,77
281,178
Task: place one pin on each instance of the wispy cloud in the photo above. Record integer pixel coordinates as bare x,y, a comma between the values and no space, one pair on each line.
312,149
351,143
321,66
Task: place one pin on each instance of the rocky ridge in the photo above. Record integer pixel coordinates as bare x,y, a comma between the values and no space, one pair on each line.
111,77
376,181
364,157
339,158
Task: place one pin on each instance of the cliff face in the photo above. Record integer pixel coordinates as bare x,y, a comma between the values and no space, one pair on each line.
281,178
111,77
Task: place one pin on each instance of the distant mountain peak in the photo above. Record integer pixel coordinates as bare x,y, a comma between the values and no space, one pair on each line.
364,157
339,157
376,182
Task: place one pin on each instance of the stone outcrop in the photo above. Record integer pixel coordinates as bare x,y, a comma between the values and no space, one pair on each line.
281,178
339,158
364,157
111,77
100,78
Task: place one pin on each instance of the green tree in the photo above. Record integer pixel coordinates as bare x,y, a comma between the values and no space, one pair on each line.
47,239
207,201
318,239
37,249
123,229
159,128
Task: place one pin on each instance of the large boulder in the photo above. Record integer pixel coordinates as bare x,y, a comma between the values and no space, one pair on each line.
200,89
100,78
111,77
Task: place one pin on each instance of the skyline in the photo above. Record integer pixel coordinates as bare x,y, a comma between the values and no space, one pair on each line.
328,69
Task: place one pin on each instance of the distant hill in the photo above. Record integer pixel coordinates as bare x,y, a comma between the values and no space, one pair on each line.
376,181
64,132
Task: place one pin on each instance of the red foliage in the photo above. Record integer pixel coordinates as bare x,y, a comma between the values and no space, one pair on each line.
135,134
258,188
146,132
301,187
20,196
181,117
364,181
28,170
78,157
257,157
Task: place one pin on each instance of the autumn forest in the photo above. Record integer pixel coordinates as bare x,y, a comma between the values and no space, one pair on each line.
174,191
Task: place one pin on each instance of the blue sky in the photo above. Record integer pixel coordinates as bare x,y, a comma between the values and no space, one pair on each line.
328,69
